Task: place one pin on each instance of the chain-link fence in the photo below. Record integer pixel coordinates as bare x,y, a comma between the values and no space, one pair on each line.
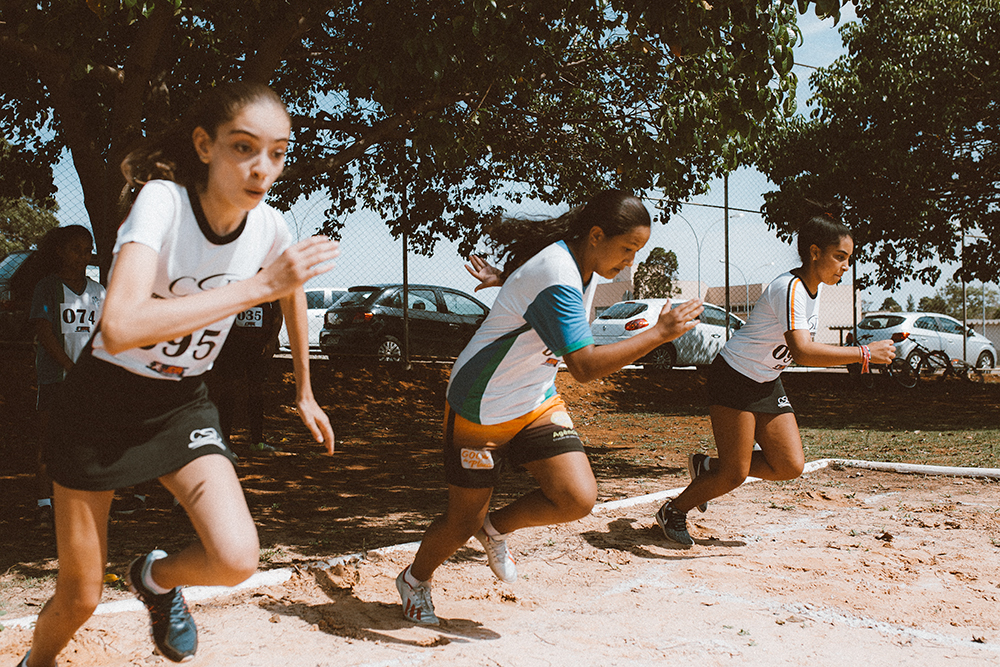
696,234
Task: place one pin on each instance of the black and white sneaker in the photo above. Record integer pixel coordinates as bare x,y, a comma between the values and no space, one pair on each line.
673,523
173,628
696,466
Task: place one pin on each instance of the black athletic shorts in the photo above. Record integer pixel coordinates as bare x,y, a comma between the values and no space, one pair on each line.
474,454
112,428
730,388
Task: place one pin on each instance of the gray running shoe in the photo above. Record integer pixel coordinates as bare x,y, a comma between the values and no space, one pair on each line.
674,525
173,628
696,466
417,605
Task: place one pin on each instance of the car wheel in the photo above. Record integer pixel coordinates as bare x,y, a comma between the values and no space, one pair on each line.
390,350
662,358
985,360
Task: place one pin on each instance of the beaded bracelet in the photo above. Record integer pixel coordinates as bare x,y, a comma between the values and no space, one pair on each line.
866,357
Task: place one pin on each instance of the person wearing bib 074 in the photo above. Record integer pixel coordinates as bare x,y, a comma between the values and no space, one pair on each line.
502,404
198,247
65,307
747,400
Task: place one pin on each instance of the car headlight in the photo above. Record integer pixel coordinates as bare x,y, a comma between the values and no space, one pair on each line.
332,319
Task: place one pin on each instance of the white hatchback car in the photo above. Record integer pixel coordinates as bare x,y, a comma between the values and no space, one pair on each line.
932,330
318,299
697,347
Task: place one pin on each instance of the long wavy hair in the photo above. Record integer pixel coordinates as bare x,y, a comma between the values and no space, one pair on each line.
516,240
170,155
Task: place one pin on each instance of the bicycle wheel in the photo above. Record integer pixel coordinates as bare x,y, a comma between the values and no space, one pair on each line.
936,365
903,373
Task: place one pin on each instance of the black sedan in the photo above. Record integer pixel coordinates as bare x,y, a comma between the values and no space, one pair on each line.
368,322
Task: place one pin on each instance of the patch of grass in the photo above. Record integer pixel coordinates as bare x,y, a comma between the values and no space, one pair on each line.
972,448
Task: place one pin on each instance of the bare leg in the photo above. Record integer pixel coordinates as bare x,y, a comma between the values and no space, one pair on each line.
735,432
82,544
228,549
466,511
568,492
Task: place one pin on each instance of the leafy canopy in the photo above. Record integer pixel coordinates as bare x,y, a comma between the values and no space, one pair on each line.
655,276
416,109
905,133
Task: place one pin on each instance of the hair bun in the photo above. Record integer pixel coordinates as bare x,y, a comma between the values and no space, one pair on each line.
831,209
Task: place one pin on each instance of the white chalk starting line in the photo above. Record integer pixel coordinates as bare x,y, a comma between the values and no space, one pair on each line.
281,575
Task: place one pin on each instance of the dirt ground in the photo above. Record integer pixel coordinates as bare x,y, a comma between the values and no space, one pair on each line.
839,566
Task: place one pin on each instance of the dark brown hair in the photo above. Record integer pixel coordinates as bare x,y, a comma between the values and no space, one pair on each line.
520,239
171,155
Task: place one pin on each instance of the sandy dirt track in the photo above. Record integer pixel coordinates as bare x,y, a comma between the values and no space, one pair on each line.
837,568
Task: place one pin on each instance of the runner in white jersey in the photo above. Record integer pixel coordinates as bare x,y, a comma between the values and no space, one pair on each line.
502,404
747,401
192,254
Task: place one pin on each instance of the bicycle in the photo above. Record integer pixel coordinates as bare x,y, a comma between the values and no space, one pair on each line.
899,369
935,364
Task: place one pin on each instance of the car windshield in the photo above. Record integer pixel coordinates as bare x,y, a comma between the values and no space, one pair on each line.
11,263
623,310
880,322
356,298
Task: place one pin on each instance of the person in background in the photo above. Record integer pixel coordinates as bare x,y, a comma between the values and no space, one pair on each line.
243,365
65,308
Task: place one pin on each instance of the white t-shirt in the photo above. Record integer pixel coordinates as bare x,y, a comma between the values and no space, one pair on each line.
73,318
191,258
509,367
758,350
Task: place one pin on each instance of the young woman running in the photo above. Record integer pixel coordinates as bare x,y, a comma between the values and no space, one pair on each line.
747,401
195,250
502,403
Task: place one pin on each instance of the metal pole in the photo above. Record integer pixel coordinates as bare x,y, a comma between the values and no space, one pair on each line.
725,190
965,323
406,280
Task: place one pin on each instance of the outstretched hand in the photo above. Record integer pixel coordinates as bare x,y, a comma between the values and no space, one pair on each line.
486,274
317,422
675,322
882,351
298,264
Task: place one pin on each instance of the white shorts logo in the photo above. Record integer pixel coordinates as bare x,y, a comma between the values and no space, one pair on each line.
783,402
562,418
477,459
205,436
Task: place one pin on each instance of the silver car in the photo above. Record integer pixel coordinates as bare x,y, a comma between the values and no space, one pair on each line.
318,299
697,347
932,330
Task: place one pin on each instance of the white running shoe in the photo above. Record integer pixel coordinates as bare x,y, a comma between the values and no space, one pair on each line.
417,605
500,558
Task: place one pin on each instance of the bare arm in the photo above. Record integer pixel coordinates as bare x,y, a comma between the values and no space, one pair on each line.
807,352
132,317
595,361
48,340
293,307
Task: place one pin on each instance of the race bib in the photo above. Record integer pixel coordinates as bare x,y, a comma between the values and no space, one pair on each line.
251,318
477,459
78,320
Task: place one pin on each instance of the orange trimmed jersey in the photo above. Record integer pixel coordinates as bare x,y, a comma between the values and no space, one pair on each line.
758,350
